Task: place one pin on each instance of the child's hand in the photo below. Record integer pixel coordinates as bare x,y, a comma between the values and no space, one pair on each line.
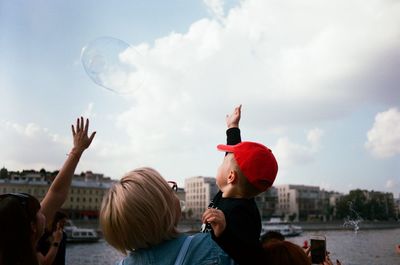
232,121
216,219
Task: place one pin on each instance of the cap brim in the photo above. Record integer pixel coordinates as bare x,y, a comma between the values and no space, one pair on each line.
226,148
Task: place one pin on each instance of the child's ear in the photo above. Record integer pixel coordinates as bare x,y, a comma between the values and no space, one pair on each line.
232,177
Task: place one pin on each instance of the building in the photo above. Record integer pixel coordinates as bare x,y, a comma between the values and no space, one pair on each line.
267,203
30,182
199,192
84,198
329,199
397,208
299,202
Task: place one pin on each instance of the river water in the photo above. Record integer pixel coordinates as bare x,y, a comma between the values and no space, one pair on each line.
369,247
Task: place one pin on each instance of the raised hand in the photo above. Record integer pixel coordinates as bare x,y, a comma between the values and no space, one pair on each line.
81,138
232,120
57,234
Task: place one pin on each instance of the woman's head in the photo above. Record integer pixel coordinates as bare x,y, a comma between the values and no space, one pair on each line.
139,211
21,226
285,253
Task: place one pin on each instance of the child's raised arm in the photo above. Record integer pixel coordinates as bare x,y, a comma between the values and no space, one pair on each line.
58,191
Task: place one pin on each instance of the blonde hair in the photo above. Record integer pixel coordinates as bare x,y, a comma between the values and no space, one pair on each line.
244,187
139,211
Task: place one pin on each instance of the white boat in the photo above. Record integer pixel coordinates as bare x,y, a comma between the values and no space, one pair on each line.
287,229
76,235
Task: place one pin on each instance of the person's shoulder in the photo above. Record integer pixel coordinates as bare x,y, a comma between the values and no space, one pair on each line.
204,250
202,241
162,253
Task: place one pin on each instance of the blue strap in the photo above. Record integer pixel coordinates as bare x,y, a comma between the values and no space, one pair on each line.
183,251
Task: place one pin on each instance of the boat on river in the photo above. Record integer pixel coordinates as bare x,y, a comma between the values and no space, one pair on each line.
287,229
80,235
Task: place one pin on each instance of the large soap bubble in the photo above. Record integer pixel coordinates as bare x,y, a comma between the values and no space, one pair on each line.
105,60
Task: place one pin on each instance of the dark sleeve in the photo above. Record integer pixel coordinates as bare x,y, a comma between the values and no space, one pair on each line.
233,136
239,240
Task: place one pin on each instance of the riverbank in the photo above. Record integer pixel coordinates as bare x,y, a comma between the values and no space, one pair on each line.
339,225
193,226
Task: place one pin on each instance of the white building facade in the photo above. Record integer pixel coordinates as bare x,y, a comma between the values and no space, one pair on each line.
199,192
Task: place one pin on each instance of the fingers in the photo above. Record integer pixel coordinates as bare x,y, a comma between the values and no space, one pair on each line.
216,219
82,123
86,125
73,130
308,251
238,109
212,215
208,214
77,125
91,137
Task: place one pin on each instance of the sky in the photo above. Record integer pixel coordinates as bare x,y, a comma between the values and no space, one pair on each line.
318,82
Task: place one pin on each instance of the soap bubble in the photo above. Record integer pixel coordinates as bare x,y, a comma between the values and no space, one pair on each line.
108,62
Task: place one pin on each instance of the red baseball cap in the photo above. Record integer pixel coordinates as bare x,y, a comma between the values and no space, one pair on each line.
256,162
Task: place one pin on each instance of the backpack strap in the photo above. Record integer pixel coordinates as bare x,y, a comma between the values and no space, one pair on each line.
183,251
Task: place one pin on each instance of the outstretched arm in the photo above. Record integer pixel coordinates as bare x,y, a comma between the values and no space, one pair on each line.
58,191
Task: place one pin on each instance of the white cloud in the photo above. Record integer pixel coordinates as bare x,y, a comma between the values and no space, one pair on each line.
290,56
384,136
289,153
216,7
89,112
392,184
288,63
30,146
314,137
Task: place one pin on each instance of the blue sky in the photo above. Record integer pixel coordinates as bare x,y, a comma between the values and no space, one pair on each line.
318,81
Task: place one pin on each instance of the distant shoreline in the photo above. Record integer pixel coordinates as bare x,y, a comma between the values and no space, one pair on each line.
338,225
192,226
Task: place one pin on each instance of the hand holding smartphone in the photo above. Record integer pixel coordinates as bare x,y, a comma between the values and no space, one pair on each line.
318,249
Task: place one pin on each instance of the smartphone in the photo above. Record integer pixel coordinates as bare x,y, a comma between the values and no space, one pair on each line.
318,249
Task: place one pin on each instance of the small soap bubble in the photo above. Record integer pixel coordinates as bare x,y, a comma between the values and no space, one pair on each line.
353,220
108,62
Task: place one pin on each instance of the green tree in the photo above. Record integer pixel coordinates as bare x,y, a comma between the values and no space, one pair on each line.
3,173
43,172
368,205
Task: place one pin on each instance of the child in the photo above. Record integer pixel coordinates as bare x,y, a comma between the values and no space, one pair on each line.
248,169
